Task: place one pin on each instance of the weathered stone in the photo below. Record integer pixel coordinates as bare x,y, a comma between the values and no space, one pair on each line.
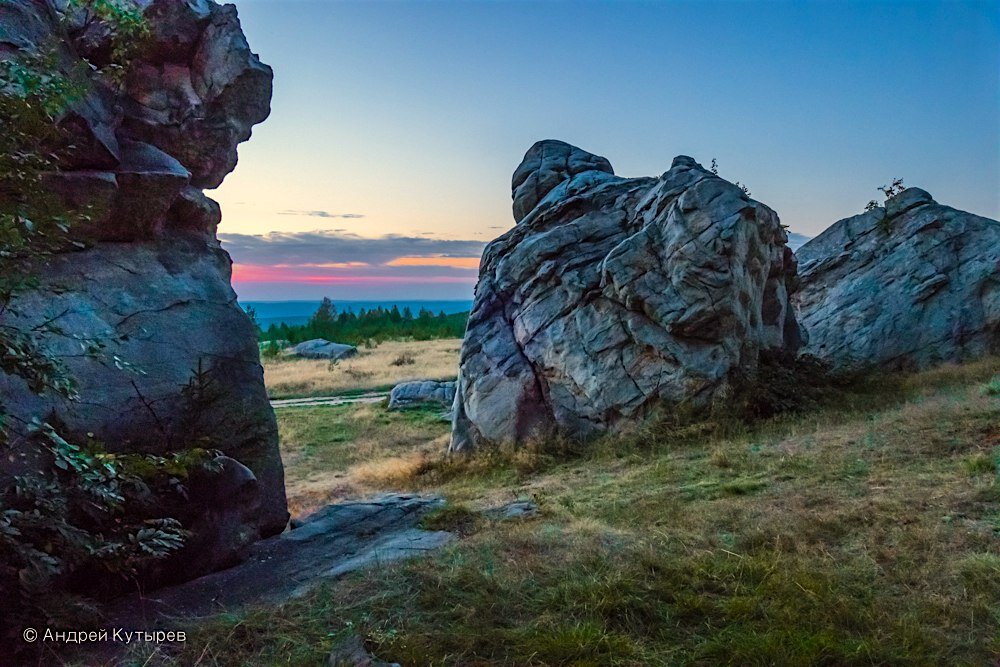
421,392
198,95
522,509
329,544
612,295
166,308
319,348
907,286
150,284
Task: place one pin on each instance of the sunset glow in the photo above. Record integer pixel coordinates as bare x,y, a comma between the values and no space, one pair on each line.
454,262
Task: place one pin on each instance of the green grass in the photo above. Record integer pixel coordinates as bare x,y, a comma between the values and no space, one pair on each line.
865,532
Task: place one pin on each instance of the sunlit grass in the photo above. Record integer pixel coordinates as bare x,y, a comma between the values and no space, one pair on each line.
864,532
382,367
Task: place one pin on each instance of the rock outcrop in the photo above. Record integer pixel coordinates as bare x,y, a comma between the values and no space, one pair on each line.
904,286
421,392
612,294
179,365
333,542
319,348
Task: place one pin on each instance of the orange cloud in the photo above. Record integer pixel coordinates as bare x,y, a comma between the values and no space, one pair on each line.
260,273
325,265
452,262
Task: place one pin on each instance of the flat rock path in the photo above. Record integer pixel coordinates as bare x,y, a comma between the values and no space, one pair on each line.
330,543
369,397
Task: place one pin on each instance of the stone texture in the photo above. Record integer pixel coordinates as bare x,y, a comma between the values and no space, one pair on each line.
421,392
330,543
149,280
319,348
611,295
351,652
905,286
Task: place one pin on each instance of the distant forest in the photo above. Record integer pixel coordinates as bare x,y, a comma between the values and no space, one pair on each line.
368,326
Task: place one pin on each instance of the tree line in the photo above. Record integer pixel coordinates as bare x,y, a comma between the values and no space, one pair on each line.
368,326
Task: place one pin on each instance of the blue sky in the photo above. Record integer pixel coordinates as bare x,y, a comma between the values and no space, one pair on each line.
404,120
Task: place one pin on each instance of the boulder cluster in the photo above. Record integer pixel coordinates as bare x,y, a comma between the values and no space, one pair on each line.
613,295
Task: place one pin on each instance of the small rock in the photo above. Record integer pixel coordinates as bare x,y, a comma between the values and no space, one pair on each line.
351,652
421,392
319,348
523,509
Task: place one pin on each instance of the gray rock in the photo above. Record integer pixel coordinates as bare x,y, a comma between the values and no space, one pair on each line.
612,295
907,286
319,348
329,544
151,282
164,308
522,509
421,392
351,652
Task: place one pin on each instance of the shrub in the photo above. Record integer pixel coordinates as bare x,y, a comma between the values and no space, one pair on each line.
782,383
404,359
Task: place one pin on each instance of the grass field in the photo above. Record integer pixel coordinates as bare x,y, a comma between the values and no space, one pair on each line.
866,532
378,368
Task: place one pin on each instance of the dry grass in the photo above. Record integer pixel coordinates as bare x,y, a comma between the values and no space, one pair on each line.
377,368
865,532
333,453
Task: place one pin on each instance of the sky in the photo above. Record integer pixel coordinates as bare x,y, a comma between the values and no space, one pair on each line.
385,165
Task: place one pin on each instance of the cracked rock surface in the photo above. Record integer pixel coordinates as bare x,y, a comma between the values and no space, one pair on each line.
334,541
613,294
149,279
905,286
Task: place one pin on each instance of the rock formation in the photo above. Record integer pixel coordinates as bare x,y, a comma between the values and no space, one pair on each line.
611,295
151,282
904,286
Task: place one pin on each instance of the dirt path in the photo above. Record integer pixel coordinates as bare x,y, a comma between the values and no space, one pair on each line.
370,397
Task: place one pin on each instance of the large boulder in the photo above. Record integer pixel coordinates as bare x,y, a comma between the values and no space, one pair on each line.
320,348
421,392
904,286
142,312
612,295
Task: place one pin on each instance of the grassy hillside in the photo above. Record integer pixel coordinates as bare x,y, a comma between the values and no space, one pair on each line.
865,532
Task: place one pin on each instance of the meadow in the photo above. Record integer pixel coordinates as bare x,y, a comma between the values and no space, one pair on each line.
374,368
863,532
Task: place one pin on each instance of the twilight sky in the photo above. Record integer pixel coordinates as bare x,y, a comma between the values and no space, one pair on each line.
395,126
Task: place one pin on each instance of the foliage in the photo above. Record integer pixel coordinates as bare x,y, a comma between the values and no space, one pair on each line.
782,383
127,30
87,512
369,327
714,168
889,191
